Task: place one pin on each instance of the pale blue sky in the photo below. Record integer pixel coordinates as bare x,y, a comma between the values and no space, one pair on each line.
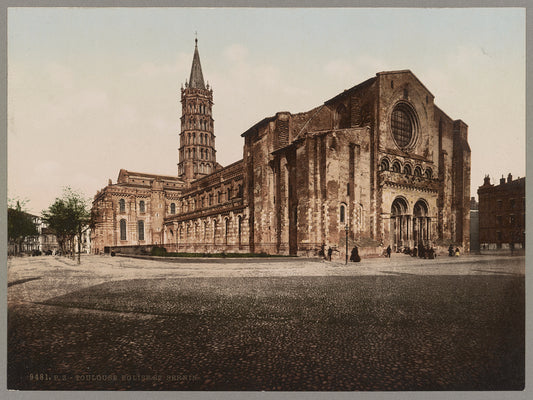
91,91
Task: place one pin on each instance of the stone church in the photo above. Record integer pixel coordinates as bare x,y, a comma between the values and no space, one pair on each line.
379,164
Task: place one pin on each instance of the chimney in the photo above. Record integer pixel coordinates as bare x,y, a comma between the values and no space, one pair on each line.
502,180
509,178
486,181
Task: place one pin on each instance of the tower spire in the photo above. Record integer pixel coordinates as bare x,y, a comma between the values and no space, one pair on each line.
196,80
197,154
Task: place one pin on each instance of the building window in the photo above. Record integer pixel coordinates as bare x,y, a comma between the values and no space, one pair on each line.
122,205
140,230
403,125
407,170
226,231
512,203
122,229
384,166
173,208
418,172
429,173
141,206
343,214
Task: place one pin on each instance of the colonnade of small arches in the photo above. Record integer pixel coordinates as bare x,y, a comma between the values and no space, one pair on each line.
405,168
208,234
199,108
141,207
204,154
200,138
198,123
215,196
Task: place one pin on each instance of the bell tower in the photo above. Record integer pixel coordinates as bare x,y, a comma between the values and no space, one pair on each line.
197,154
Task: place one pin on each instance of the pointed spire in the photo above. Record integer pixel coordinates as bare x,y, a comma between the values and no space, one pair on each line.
196,81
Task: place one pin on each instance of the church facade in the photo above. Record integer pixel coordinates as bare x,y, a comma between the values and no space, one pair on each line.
379,164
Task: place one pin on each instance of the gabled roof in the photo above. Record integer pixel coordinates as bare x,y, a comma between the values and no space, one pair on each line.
124,173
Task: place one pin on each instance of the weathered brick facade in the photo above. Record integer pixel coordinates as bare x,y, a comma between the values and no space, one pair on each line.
502,213
378,163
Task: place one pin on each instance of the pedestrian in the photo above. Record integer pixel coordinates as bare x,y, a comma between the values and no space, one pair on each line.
451,253
421,251
355,255
330,252
457,252
388,251
415,251
322,251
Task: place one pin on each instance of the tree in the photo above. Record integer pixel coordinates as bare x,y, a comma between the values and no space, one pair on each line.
68,217
20,225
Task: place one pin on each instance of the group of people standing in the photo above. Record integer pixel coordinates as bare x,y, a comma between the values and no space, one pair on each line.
354,256
421,251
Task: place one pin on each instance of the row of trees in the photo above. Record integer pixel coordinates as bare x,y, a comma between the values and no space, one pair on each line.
68,218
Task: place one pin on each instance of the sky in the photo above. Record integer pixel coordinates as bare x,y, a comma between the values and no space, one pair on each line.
94,90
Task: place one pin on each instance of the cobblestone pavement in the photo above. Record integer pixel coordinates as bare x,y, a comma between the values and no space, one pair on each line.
379,325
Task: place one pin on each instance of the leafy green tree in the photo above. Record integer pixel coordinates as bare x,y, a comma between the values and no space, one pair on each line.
68,217
19,226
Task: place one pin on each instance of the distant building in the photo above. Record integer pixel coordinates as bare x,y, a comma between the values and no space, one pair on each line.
502,210
48,240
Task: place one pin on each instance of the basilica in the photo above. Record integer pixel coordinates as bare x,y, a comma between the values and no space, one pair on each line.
377,165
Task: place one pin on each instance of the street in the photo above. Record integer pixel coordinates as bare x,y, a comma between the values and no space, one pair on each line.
383,324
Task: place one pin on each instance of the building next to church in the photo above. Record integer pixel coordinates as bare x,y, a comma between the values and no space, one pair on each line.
502,213
379,164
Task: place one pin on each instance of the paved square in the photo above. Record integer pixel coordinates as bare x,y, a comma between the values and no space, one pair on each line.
399,324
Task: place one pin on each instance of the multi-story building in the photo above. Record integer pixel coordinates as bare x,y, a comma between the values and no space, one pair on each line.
502,213
379,164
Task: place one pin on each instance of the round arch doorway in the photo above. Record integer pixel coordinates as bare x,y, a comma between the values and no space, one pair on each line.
399,224
421,223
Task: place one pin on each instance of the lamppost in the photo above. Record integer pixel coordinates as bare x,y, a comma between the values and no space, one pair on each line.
346,228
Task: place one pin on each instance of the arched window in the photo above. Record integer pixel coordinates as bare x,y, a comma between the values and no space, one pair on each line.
240,229
140,229
342,214
384,166
239,191
141,206
122,205
226,230
172,208
407,170
219,197
229,194
403,125
429,173
418,172
122,229
396,167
